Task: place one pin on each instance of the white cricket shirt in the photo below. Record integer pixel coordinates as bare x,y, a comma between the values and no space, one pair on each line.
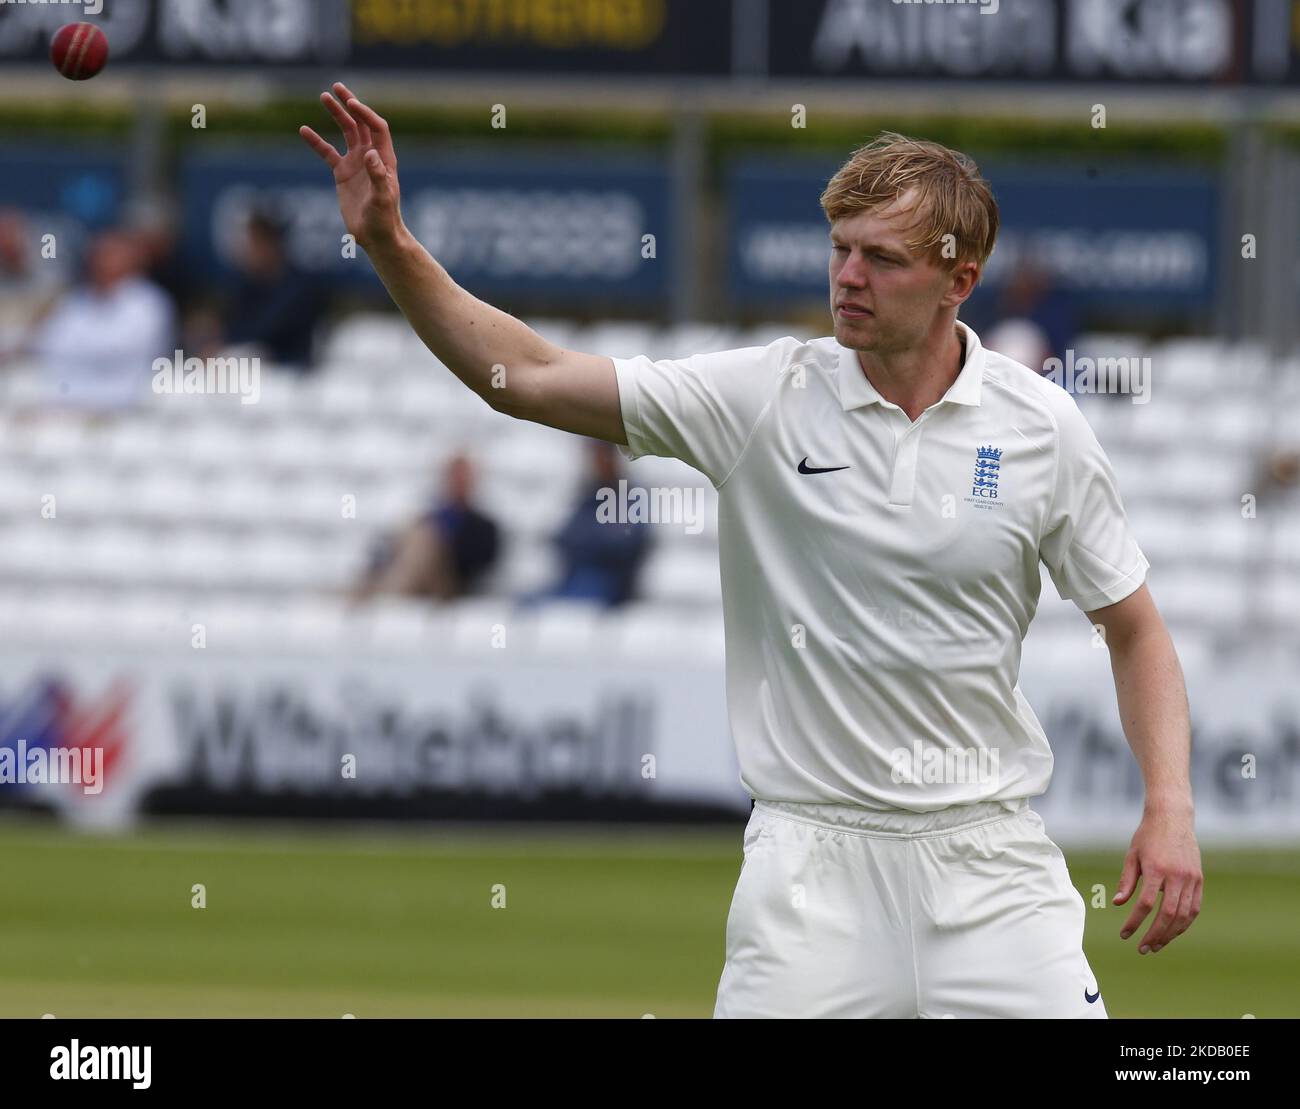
879,575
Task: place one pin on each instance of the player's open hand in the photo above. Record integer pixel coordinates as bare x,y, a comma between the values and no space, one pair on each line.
1165,855
366,176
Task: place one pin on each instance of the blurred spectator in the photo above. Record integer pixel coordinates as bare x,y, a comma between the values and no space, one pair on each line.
98,344
1036,318
1022,341
29,284
602,560
152,220
1277,475
275,306
444,553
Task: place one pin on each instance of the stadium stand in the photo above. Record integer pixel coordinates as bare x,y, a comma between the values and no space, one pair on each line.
239,512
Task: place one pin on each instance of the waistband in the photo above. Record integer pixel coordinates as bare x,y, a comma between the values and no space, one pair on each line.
853,818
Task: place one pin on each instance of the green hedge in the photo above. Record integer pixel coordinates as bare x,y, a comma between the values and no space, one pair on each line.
728,133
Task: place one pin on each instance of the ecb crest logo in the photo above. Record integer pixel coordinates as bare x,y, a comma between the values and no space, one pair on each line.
988,461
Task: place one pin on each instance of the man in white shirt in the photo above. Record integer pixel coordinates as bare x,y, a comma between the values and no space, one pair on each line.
99,343
885,498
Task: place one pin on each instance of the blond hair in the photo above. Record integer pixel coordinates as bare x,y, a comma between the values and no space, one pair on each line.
951,199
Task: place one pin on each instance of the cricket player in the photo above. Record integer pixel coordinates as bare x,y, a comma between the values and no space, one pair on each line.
886,495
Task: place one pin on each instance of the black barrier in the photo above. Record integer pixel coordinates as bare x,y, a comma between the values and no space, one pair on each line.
1179,42
358,1057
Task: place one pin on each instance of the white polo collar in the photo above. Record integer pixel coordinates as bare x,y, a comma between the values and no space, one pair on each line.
856,391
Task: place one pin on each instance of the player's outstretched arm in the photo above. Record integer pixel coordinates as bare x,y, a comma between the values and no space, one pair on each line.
498,356
1153,710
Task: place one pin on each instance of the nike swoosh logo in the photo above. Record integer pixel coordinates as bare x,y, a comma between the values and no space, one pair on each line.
804,468
1090,998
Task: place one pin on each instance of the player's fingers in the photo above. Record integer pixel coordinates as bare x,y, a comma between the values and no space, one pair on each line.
1163,927
1145,903
345,94
328,154
377,170
1189,906
1186,913
1127,878
377,124
346,123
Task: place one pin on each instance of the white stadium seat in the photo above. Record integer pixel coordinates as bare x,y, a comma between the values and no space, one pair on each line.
647,630
683,576
483,624
523,567
689,339
201,503
341,396
616,339
366,339
564,627
762,335
560,332
401,624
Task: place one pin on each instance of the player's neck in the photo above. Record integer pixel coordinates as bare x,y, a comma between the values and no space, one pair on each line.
916,379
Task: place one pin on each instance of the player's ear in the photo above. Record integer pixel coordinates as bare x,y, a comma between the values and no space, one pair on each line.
961,282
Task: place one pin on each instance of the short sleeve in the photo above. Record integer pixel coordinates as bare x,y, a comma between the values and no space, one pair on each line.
701,409
1087,545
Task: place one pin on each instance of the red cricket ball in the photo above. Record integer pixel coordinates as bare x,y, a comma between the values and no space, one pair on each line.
79,51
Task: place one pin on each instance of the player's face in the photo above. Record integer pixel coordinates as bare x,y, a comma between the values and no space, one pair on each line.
883,296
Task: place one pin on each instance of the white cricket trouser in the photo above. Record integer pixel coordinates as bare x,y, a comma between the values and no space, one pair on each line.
964,912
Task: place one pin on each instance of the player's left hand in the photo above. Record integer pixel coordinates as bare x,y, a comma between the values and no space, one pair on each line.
365,178
1165,855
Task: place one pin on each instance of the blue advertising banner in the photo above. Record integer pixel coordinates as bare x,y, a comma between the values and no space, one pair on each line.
63,193
83,184
550,225
1132,239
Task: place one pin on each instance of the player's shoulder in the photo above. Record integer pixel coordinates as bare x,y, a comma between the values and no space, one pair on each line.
824,354
787,351
775,352
1028,394
772,359
825,349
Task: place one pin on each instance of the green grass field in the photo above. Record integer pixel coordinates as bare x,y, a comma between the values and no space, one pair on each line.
598,922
